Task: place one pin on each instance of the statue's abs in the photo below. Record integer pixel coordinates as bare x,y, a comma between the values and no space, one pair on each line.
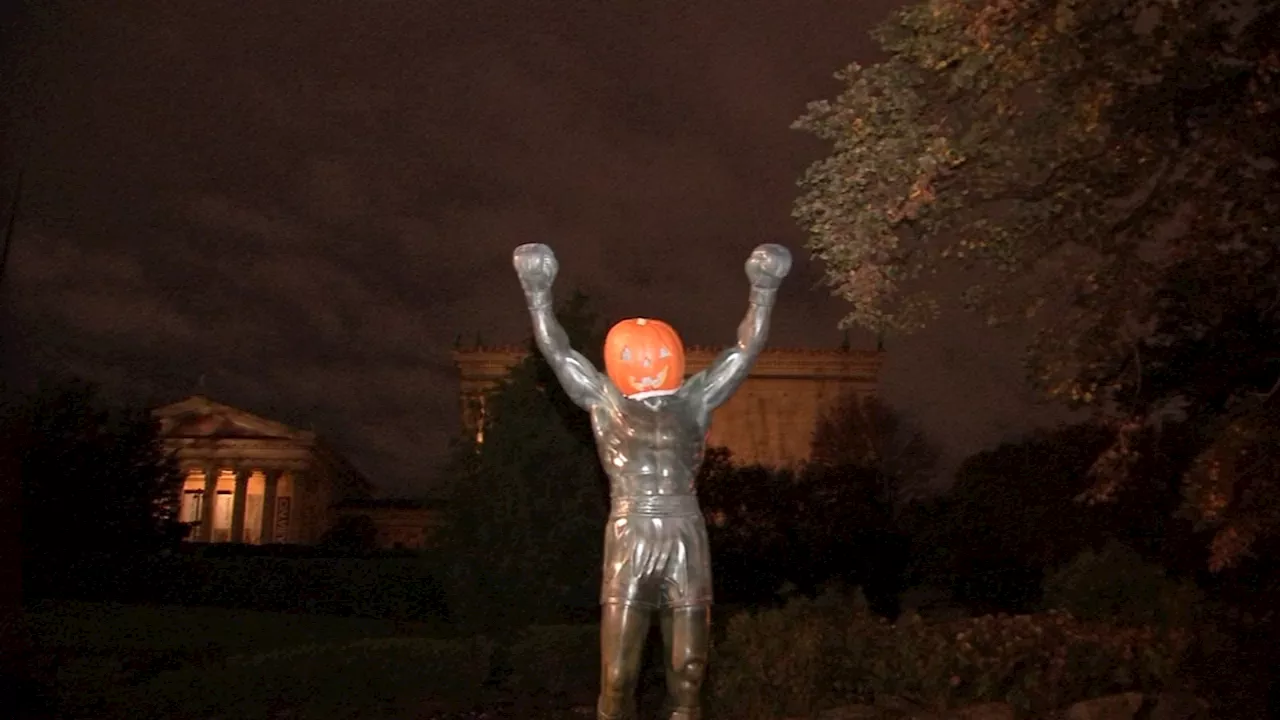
650,447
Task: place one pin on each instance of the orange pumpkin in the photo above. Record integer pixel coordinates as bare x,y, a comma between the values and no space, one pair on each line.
643,355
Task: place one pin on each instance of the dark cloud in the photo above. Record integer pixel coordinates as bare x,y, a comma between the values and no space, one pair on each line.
305,204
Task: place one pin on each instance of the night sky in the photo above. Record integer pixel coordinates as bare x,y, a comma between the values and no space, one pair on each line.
306,203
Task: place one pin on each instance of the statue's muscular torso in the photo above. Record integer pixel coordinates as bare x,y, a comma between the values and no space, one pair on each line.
652,446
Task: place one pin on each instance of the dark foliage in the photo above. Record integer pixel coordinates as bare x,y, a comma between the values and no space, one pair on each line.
385,586
1010,515
530,501
865,432
351,534
812,656
806,529
98,492
1015,512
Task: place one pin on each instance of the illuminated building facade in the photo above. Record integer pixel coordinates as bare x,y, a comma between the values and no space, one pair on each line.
252,480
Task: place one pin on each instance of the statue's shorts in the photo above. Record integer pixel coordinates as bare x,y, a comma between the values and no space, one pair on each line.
656,553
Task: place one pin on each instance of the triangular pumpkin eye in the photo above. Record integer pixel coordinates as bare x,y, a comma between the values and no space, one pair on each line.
626,354
663,353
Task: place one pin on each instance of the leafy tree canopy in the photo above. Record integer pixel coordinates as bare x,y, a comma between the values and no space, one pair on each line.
1106,167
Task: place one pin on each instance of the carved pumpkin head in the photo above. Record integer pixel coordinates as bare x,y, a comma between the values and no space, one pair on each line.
643,355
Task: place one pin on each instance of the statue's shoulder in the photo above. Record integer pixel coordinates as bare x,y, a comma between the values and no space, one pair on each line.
684,405
690,395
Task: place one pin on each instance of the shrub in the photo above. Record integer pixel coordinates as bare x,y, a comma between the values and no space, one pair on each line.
330,680
1118,585
814,655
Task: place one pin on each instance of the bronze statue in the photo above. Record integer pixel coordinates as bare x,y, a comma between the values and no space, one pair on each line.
650,428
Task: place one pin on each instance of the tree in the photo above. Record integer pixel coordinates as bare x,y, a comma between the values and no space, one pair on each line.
749,511
529,503
865,432
1105,167
1010,517
1013,515
98,490
804,527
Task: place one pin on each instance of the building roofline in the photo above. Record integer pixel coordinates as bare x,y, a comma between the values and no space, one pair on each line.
202,402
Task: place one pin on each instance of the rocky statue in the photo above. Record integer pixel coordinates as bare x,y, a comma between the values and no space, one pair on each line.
650,428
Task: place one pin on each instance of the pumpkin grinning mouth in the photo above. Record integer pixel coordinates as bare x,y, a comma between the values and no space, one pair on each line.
650,382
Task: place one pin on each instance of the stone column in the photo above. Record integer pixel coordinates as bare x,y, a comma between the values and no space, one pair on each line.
287,506
272,479
208,502
238,504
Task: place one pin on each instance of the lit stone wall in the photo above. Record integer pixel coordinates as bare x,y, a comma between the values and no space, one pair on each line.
769,420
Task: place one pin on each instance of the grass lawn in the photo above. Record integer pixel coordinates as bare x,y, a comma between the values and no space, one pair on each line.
114,627
100,660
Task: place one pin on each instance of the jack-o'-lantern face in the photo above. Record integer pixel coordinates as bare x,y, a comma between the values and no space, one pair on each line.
644,356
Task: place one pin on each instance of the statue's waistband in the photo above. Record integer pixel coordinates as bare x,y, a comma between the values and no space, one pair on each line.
667,505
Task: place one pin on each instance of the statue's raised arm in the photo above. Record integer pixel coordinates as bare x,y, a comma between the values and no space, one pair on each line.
766,268
536,267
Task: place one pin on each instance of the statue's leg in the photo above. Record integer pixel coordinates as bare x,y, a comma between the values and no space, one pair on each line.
623,629
686,632
686,622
